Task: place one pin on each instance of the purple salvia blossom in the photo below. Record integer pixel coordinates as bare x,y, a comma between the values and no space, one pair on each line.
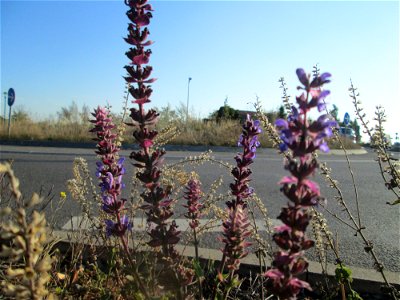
249,141
157,207
235,232
192,195
235,227
302,139
110,171
118,228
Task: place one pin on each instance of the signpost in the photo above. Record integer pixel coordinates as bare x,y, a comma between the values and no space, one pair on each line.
11,100
5,109
346,119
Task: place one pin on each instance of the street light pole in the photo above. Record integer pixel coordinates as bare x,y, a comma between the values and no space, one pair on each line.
187,102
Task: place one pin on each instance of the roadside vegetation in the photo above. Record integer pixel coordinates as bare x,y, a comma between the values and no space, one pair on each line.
105,257
72,125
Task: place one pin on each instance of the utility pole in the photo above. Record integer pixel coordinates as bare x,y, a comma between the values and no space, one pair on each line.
187,102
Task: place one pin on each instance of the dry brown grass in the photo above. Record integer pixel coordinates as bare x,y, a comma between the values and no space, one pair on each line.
47,131
211,133
195,132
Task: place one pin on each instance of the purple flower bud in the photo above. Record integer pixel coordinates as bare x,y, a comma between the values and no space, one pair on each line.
324,147
303,78
321,107
118,229
283,147
282,123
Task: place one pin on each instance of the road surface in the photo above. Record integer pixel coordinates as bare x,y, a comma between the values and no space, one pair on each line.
44,169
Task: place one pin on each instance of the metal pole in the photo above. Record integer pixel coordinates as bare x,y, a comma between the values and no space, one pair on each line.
187,102
9,122
5,108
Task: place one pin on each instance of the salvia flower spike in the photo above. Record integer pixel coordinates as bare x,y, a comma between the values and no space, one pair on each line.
157,201
235,227
302,139
109,171
249,141
193,205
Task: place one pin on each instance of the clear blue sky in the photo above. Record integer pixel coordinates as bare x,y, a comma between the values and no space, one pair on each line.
54,52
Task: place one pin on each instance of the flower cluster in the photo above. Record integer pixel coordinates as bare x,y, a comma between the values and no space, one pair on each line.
302,139
110,171
235,226
192,195
249,141
235,231
157,199
297,134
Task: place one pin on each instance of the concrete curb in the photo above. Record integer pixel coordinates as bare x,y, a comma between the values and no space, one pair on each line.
92,145
364,280
348,151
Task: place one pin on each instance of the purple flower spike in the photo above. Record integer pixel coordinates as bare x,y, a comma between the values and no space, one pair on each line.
109,170
235,227
192,195
148,159
249,141
302,139
235,232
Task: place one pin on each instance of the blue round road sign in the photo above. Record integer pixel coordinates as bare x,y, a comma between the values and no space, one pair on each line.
346,119
11,97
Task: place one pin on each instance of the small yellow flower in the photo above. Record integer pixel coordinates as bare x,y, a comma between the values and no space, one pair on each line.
63,195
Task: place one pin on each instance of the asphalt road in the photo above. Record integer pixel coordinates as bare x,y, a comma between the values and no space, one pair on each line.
48,169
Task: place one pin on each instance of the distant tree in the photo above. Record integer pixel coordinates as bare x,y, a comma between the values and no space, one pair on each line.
19,114
356,128
282,112
72,114
85,114
167,115
335,112
69,114
225,113
181,111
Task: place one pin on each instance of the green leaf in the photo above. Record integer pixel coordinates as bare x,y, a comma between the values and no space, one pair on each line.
343,274
235,282
198,270
354,296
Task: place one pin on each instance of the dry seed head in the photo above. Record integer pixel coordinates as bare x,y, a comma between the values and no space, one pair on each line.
167,134
14,182
5,211
319,243
20,242
35,199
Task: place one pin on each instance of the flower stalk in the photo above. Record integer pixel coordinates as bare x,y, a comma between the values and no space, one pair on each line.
157,200
193,206
235,227
148,159
110,171
301,138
